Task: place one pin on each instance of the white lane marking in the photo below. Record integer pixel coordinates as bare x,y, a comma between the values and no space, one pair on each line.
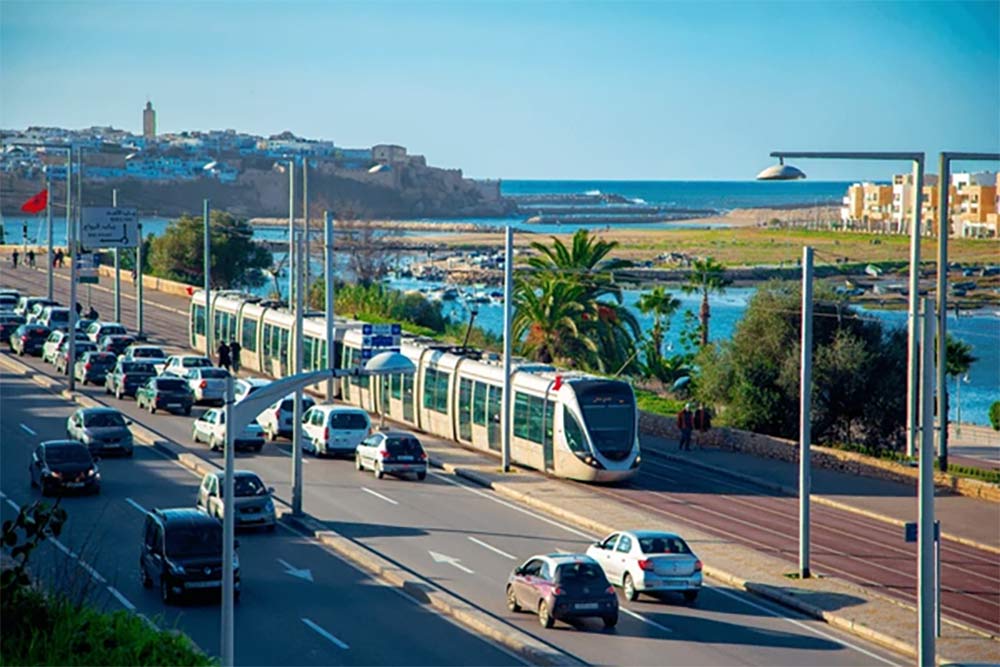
148,622
304,573
124,600
379,495
136,505
492,548
290,455
804,626
58,545
27,429
645,620
451,560
326,634
10,502
92,572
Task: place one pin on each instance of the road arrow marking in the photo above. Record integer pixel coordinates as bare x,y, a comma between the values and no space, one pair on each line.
492,548
296,572
325,634
27,429
441,558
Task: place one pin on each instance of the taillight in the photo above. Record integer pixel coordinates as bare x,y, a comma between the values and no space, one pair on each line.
326,434
384,453
557,591
646,565
86,366
204,383
423,456
124,378
697,566
24,339
277,415
610,589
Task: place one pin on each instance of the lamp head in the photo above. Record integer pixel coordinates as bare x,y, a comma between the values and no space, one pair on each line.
781,172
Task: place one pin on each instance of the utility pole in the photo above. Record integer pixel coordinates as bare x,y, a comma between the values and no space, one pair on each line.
328,274
944,179
925,522
228,534
207,252
305,217
73,261
297,412
912,360
138,284
118,267
507,400
291,231
48,227
805,414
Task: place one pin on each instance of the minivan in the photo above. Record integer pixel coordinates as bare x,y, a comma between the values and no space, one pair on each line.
55,317
332,430
276,419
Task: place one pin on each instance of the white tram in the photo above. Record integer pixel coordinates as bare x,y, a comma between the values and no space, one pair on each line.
569,424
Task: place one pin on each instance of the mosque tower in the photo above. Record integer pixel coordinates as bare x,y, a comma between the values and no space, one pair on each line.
149,121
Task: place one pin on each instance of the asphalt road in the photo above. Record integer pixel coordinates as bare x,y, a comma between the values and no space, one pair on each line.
458,536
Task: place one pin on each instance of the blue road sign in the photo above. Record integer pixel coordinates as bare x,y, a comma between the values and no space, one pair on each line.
910,532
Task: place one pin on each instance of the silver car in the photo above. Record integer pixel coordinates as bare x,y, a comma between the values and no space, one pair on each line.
646,561
208,384
254,506
102,430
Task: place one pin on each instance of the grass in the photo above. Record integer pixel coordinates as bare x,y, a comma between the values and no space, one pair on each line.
656,404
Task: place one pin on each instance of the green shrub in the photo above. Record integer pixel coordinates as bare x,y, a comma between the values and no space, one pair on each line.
995,415
656,404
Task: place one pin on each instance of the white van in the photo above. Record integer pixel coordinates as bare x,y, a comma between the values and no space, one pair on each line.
331,430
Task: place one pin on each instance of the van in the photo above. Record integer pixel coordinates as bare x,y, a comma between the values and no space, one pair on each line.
276,419
56,318
331,430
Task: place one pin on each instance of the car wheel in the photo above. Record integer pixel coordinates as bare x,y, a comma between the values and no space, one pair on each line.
690,596
628,587
214,445
379,473
152,408
421,476
512,600
544,616
610,621
258,448
147,581
357,463
165,593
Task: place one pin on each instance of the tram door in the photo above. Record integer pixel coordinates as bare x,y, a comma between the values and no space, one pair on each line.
547,420
493,410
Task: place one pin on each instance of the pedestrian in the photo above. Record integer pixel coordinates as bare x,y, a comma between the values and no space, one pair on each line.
234,351
13,256
57,259
133,274
223,352
31,257
685,423
702,419
79,309
92,314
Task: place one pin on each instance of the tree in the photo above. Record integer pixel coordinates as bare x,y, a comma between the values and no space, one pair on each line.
995,415
707,277
547,319
237,261
958,357
662,305
369,254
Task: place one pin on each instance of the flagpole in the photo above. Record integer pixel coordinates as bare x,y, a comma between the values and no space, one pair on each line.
48,226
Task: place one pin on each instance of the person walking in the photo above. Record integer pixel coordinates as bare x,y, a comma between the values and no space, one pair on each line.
234,351
31,257
13,257
223,352
685,423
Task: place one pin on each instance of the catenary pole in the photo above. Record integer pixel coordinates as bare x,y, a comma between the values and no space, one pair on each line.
328,274
507,399
291,232
925,522
228,535
118,267
805,415
912,362
73,268
944,180
297,412
305,217
48,240
138,284
207,257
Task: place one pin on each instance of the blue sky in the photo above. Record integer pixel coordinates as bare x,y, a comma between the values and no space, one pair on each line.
526,89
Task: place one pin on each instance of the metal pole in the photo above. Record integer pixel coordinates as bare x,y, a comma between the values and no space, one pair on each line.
507,400
73,258
297,424
138,284
305,217
937,578
328,259
118,267
207,256
69,192
291,231
912,363
925,522
48,227
942,309
805,417
228,535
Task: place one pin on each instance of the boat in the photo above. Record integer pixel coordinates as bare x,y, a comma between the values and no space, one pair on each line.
873,271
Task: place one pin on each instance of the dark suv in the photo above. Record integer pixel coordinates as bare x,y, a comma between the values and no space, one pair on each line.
127,376
169,393
28,339
182,554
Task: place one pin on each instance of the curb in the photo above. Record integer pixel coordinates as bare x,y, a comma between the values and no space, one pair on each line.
818,499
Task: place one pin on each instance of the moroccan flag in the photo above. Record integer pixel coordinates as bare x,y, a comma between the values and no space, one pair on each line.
37,203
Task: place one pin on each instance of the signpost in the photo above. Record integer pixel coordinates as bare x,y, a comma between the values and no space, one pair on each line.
376,339
109,227
910,535
88,273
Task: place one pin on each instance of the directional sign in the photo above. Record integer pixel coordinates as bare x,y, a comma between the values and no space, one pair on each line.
382,330
108,227
380,341
86,271
910,531
367,352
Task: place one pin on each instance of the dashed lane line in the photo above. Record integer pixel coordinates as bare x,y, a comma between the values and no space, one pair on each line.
323,633
379,495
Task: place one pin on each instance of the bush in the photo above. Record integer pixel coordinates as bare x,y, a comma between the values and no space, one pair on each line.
658,405
995,415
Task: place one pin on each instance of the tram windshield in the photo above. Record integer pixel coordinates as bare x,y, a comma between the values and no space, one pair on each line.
609,412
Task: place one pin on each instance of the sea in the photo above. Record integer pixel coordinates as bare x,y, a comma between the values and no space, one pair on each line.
981,329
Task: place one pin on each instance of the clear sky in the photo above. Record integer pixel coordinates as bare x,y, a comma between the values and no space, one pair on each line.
546,90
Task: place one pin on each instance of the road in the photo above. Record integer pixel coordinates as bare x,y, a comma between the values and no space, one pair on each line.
457,536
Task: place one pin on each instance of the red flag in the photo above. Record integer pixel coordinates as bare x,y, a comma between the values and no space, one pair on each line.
37,203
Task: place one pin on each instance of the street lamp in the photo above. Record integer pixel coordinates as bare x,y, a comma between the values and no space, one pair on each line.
781,172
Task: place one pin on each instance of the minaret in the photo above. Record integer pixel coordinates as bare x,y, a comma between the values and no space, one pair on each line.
149,121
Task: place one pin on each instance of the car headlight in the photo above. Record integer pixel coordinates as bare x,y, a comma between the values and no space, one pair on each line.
269,505
177,568
91,472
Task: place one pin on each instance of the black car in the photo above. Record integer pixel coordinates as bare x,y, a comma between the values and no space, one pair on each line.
127,376
169,393
94,366
115,344
28,339
182,554
59,466
9,321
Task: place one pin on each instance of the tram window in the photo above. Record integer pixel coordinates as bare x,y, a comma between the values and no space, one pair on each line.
529,418
479,403
436,390
321,355
465,409
307,353
575,438
249,342
521,415
550,418
199,320
396,386
495,404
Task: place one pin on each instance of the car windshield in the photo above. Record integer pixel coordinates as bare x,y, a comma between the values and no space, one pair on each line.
170,385
609,412
149,352
580,573
288,404
663,544
103,419
67,454
194,541
403,446
135,367
195,362
59,315
101,359
348,421
37,332
247,485
112,330
214,373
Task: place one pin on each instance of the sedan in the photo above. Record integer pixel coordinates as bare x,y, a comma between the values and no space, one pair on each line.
101,430
115,344
645,561
211,428
127,376
562,587
93,367
99,330
208,384
62,361
64,465
9,321
56,339
393,452
150,353
254,505
28,339
166,393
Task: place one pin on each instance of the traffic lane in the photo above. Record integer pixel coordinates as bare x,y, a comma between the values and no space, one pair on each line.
274,580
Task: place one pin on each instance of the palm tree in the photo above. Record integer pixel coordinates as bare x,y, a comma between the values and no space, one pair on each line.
706,276
547,316
662,304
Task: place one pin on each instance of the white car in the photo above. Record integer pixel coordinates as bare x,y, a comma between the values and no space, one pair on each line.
208,384
98,330
180,364
54,317
332,430
211,428
646,561
55,340
393,453
254,506
246,386
278,418
150,353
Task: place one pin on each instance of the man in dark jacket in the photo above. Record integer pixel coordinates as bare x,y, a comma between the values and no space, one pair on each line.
234,351
685,424
223,352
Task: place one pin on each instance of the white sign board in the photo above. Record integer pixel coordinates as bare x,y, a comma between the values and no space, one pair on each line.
87,271
107,227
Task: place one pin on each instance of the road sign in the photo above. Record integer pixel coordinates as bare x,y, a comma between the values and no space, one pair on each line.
380,341
86,272
367,352
109,227
55,170
910,531
382,330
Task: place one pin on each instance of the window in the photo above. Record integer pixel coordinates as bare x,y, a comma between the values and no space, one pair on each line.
396,386
530,418
479,404
249,342
532,569
610,542
624,544
307,352
575,438
199,320
436,390
465,409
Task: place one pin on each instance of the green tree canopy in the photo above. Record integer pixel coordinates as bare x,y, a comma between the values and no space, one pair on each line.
707,277
237,261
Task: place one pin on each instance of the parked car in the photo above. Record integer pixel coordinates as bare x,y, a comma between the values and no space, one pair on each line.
54,317
93,367
127,376
243,387
26,303
645,561
28,339
208,384
254,505
165,393
562,587
101,430
82,324
179,364
150,353
98,330
64,465
62,361
181,553
8,302
211,428
35,311
115,344
9,321
56,339
277,419
330,429
392,452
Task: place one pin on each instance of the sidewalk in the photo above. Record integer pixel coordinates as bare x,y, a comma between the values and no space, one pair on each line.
973,521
